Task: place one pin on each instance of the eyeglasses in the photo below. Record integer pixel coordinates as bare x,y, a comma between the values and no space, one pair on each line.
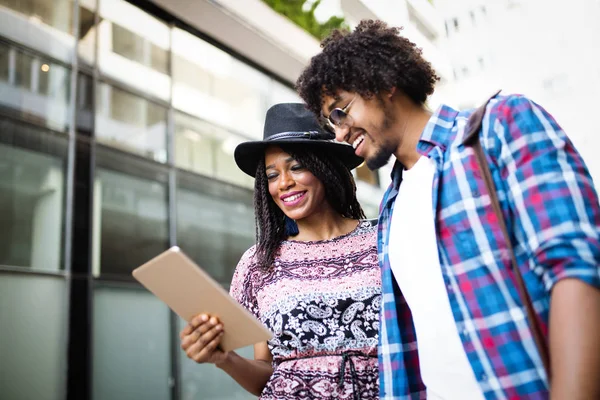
337,117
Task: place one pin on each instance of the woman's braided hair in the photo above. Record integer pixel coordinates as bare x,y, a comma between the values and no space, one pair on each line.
340,193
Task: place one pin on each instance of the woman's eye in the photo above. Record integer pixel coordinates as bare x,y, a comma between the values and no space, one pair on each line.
297,167
270,177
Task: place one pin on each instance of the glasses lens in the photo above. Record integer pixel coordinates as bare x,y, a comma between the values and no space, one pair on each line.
337,116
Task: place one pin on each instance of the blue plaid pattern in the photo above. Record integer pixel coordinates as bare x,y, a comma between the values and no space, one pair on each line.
552,212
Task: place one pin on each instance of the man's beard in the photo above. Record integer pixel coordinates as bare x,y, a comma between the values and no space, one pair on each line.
382,157
385,151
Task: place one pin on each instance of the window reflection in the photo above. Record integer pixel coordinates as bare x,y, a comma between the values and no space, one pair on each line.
87,31
216,87
215,224
34,87
133,48
282,94
31,198
36,23
131,217
364,174
85,104
204,148
131,123
130,345
4,62
28,303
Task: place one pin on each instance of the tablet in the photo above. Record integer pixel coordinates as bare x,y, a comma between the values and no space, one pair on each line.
188,291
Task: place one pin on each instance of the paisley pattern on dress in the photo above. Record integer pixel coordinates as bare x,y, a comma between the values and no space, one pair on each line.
321,300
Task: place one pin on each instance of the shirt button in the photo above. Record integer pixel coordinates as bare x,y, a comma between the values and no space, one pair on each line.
483,378
449,287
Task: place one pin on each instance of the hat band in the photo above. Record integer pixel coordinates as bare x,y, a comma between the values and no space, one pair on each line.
311,135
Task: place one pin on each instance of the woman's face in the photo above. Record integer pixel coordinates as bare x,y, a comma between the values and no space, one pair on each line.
295,190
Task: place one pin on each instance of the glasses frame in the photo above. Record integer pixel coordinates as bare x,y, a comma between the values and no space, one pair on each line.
329,123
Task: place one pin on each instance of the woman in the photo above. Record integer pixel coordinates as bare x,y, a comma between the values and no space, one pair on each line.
312,278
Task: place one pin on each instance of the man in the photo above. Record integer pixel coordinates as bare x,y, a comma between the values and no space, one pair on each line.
453,325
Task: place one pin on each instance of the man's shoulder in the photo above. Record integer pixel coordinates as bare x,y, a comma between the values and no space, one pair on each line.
503,105
499,108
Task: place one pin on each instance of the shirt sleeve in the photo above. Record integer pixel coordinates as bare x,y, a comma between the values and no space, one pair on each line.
242,285
550,191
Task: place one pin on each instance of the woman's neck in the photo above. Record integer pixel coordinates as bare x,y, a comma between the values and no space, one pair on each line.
325,225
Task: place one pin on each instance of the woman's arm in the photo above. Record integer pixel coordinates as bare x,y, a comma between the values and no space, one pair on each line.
200,340
252,375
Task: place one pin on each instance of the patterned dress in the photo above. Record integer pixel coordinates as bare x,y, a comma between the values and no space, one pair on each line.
321,300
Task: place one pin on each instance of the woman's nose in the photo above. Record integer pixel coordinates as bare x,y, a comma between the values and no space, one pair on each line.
285,181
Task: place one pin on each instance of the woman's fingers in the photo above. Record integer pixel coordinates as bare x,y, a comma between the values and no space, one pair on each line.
194,324
194,336
200,344
209,349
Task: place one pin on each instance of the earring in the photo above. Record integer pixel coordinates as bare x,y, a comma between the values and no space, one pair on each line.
291,228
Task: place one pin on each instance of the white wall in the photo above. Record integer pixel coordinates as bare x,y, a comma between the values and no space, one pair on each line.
548,50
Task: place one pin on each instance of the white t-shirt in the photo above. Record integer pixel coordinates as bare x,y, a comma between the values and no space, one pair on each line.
414,260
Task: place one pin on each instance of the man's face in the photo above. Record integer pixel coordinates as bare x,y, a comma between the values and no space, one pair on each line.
366,124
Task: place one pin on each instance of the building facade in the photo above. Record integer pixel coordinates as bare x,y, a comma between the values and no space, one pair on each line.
118,121
546,50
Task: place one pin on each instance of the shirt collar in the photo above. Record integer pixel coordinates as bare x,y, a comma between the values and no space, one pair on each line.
438,132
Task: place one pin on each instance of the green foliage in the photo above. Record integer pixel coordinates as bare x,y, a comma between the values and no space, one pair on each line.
293,10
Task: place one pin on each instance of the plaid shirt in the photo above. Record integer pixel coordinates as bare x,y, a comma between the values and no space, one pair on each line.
552,212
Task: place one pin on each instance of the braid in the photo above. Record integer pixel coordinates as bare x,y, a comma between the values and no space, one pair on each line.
270,225
340,193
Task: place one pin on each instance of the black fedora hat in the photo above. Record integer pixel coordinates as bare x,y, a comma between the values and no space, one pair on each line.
292,123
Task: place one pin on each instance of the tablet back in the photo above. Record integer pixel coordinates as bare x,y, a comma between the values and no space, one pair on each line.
188,291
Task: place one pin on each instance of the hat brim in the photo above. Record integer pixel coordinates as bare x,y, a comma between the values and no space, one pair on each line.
247,155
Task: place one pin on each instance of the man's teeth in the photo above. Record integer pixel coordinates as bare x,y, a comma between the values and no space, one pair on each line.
293,198
358,141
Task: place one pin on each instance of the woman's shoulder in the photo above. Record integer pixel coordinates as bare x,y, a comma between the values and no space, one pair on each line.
243,269
248,258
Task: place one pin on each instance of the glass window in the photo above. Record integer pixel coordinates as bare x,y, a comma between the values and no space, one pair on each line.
131,345
34,87
364,174
43,25
23,67
131,123
282,94
215,224
4,62
33,316
85,103
204,381
204,148
213,85
31,197
130,214
134,48
87,32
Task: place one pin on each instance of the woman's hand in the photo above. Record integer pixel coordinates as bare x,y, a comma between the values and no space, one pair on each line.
200,340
